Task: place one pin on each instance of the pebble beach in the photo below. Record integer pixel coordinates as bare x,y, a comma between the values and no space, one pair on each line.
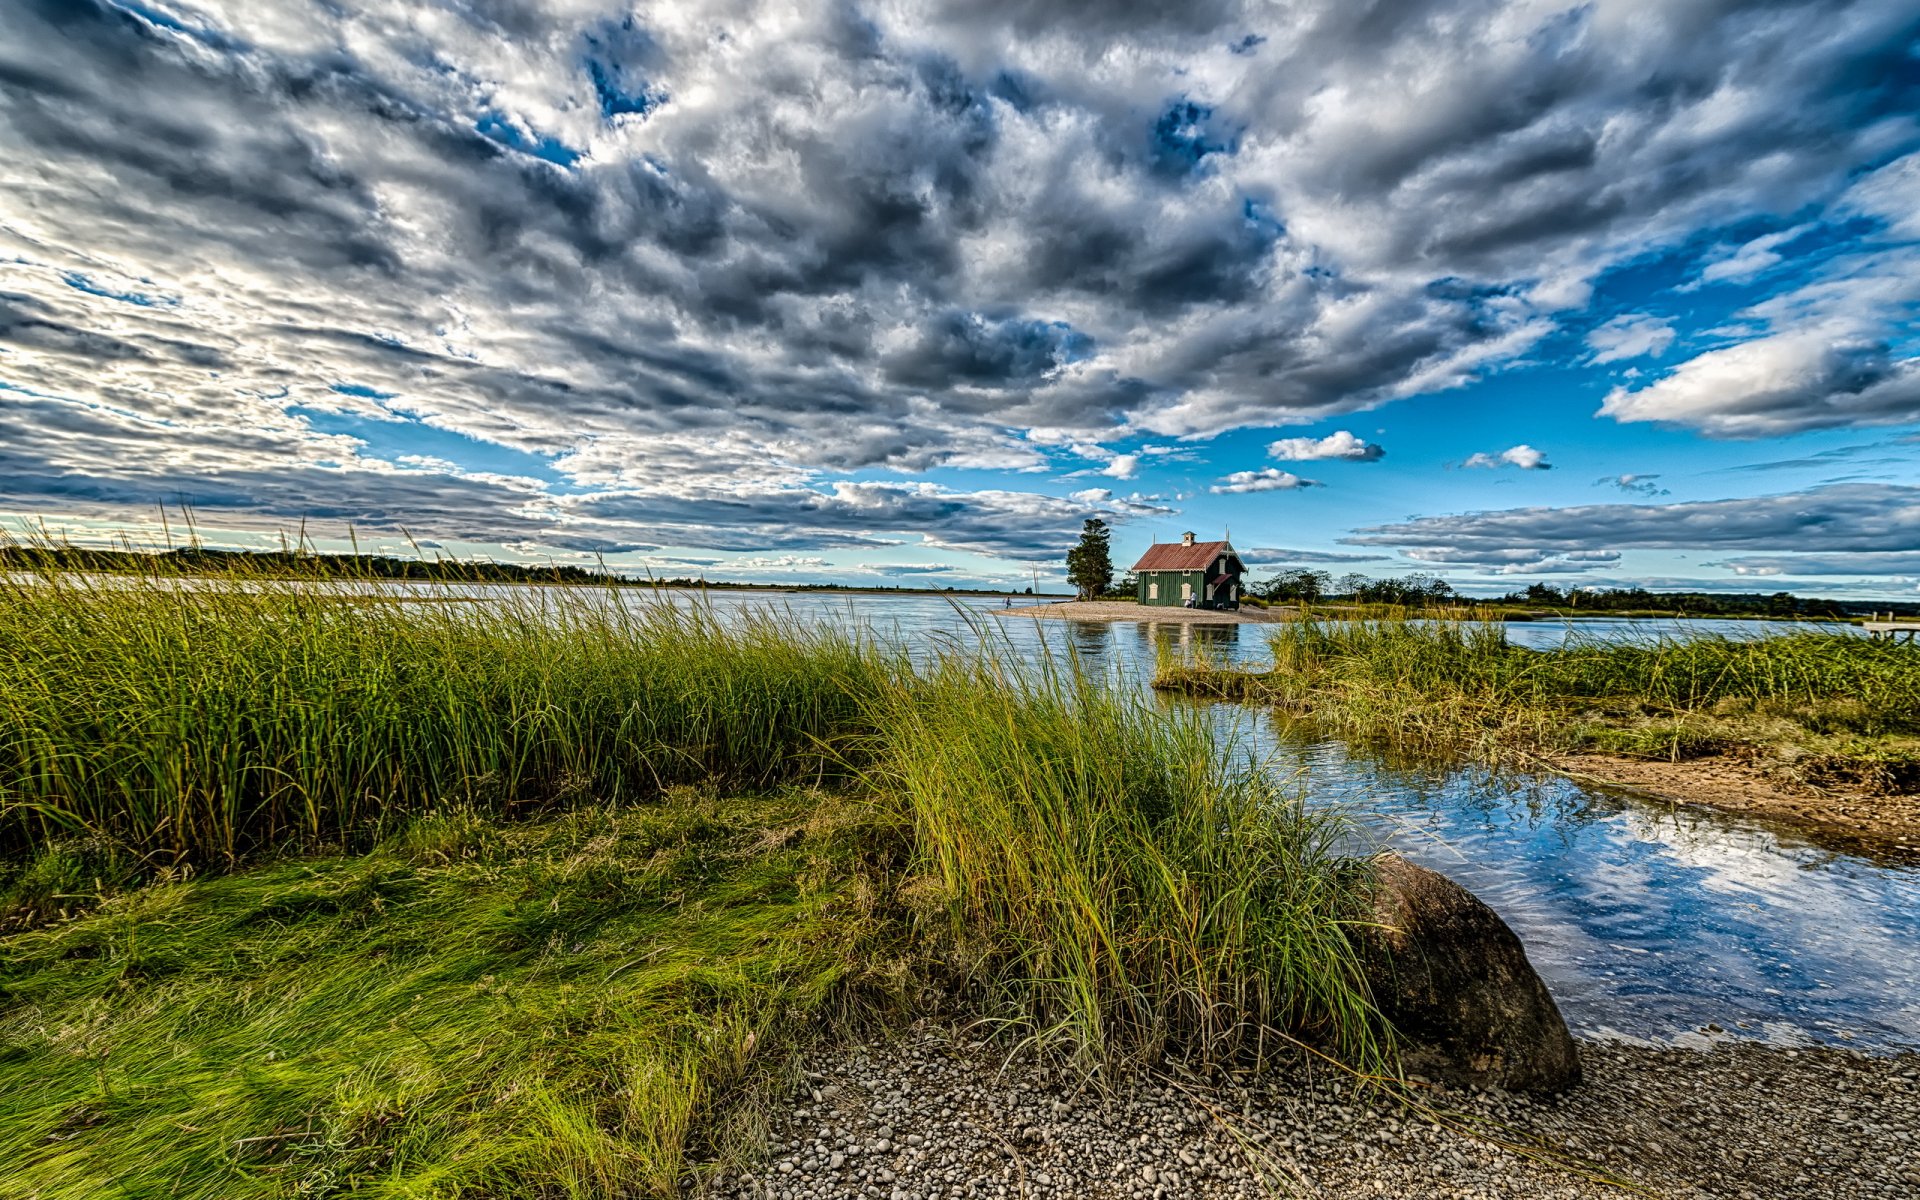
932,1116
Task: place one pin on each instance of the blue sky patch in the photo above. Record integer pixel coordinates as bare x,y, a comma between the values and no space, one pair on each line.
1185,133
361,390
83,283
499,129
405,438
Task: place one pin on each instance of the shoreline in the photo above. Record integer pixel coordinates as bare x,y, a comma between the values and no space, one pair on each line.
1871,820
932,1115
1123,610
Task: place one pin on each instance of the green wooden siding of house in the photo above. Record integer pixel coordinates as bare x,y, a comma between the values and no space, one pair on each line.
1170,582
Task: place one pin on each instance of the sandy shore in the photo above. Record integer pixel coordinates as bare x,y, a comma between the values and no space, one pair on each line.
1851,816
930,1117
1121,610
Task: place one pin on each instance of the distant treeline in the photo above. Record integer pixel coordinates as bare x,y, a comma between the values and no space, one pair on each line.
1424,590
201,560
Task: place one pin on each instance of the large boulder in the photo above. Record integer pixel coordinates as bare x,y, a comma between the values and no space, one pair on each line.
1456,983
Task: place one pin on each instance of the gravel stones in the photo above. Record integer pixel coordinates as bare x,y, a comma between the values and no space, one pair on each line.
1731,1121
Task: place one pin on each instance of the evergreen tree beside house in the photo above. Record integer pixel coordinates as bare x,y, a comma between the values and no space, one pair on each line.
1171,573
1090,563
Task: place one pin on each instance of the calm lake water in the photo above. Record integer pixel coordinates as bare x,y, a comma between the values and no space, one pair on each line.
1649,922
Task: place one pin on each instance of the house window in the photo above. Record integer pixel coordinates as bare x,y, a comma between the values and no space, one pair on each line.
1186,591
1153,591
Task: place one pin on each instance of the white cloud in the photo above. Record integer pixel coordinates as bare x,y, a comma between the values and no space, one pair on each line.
1815,378
777,562
1887,195
1634,335
1269,479
1745,261
1123,466
1893,563
1341,445
1523,456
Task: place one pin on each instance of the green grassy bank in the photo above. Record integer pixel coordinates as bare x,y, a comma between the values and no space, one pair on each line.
311,896
1815,708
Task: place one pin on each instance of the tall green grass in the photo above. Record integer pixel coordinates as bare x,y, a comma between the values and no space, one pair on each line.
454,927
1105,868
201,721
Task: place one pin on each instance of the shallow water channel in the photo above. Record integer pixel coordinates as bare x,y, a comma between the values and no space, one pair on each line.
1650,922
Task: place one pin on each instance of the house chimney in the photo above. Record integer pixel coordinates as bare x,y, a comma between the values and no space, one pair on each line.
1186,539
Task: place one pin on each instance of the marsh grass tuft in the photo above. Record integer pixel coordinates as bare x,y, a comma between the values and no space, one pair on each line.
1815,706
1105,869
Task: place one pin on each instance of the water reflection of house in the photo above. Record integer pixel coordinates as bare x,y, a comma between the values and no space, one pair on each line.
1207,573
1187,640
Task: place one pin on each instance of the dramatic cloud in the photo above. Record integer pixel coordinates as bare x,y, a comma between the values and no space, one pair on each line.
1269,479
1837,352
1523,456
579,274
1634,335
1837,519
1335,445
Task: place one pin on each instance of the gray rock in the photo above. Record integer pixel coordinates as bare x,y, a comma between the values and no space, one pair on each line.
1456,983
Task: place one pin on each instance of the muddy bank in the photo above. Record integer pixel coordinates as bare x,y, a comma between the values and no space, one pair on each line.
1845,814
933,1117
1121,610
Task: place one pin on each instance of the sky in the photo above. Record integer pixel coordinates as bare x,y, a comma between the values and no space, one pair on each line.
1614,293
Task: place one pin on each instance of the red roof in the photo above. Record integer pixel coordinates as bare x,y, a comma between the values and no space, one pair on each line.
1176,556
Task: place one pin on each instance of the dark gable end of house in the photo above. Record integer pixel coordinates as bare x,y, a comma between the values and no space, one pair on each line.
1171,573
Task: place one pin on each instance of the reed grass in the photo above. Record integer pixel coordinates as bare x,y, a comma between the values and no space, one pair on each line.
196,722
315,893
1109,873
1828,706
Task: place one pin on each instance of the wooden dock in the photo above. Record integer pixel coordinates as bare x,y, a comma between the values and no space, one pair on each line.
1892,630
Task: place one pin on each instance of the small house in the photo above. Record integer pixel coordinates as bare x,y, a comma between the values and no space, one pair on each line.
1205,573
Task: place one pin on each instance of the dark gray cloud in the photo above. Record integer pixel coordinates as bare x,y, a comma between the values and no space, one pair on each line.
1892,562
1636,484
1012,525
1283,554
1834,519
